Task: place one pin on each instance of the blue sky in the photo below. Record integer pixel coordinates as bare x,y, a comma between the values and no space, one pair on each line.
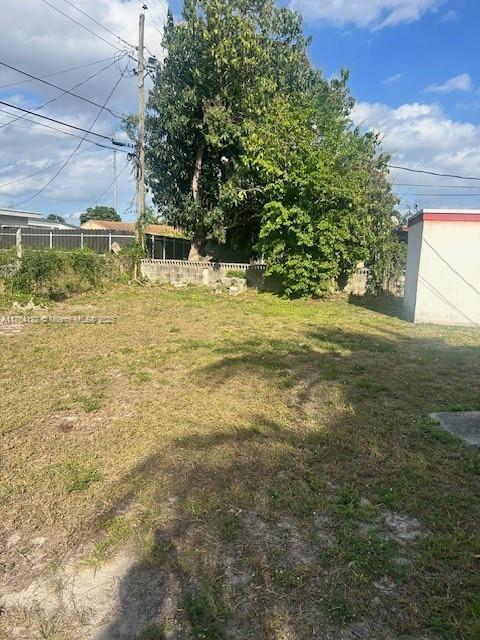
395,64
414,75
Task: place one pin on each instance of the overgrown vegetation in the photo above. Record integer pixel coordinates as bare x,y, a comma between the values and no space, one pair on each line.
46,274
275,473
248,145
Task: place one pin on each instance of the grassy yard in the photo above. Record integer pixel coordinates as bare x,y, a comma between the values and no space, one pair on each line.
238,468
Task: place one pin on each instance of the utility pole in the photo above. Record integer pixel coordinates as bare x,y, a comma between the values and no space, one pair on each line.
115,179
141,129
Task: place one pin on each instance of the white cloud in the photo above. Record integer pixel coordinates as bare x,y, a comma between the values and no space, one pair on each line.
39,40
392,79
374,14
422,136
462,82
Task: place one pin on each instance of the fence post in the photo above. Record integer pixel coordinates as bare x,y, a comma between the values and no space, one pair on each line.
205,277
152,237
51,239
19,243
81,241
110,242
163,248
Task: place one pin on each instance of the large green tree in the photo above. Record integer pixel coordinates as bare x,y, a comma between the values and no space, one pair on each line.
248,144
225,62
321,189
100,213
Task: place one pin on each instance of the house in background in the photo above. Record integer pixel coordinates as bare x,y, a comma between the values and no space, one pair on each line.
162,241
16,218
112,225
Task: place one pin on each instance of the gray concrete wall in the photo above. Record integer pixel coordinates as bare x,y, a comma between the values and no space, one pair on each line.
357,284
208,274
199,273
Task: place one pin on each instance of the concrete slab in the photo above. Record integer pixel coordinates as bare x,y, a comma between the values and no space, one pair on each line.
465,426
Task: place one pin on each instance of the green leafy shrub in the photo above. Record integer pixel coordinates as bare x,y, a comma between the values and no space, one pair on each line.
53,275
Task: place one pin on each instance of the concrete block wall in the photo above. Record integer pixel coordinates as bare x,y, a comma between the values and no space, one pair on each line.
199,273
208,274
357,284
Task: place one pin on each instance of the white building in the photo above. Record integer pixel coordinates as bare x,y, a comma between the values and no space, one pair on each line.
15,218
443,267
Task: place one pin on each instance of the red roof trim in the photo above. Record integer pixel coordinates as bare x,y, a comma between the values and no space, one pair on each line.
439,216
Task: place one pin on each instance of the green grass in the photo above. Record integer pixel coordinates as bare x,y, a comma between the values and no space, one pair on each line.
206,611
152,632
156,552
248,450
78,477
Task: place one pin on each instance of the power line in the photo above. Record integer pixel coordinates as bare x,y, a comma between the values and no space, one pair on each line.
66,124
58,73
436,186
443,195
50,84
55,176
431,173
98,23
60,131
111,184
50,166
154,23
97,35
61,94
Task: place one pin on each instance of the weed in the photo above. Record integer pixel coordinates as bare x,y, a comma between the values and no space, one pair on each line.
339,608
462,407
153,632
388,497
206,611
348,500
142,376
430,430
370,386
90,403
369,553
472,464
156,552
79,478
47,630
228,526
303,496
116,531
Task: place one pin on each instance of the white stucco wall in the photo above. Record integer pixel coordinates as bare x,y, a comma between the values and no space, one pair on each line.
413,263
443,272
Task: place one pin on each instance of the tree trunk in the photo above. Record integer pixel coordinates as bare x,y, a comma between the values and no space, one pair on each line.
196,250
197,174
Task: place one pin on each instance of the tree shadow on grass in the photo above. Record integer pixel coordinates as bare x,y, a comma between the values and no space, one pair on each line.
264,531
387,305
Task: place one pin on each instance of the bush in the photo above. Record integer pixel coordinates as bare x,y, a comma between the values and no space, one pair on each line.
7,257
53,275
